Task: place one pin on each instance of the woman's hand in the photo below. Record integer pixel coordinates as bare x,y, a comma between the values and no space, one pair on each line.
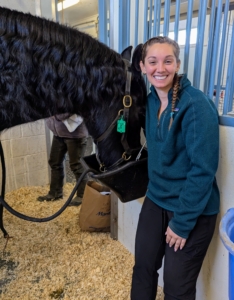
174,239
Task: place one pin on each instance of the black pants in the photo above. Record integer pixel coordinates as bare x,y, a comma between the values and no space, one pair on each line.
59,148
181,268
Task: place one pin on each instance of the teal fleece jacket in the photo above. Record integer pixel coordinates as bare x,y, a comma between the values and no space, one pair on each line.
182,161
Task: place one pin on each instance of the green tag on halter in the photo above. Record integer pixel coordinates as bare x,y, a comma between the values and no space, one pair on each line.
121,125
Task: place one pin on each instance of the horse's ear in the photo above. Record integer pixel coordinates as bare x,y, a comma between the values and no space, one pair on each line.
127,53
136,58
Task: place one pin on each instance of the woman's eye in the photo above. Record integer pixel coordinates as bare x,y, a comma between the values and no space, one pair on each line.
168,61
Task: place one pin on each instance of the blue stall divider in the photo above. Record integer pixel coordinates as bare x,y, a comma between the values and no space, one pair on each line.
226,231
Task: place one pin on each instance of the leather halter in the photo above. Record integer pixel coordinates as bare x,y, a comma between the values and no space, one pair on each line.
127,103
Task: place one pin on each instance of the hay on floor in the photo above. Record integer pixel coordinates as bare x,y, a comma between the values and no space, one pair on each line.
55,259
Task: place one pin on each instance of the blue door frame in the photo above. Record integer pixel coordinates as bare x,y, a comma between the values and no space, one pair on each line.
137,21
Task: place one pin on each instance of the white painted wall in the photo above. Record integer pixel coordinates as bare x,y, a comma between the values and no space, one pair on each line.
213,280
21,5
88,25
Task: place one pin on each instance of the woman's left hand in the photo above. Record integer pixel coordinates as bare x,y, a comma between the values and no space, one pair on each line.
174,239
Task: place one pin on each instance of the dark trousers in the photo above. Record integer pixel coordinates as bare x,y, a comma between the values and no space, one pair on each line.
181,268
59,148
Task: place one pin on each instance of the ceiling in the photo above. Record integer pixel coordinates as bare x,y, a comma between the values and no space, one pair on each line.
77,13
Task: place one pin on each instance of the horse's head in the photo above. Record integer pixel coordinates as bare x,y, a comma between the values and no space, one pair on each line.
119,137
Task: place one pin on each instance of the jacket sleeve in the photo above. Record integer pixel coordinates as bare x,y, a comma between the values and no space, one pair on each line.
200,131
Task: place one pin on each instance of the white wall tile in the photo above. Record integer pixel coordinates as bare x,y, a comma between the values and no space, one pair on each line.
33,128
19,147
36,144
19,165
36,162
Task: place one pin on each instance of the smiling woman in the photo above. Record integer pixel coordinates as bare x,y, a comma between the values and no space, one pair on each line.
182,134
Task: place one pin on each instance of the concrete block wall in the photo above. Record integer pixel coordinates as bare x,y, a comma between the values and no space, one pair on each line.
25,154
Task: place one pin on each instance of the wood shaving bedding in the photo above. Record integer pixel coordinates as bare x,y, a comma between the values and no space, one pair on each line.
55,259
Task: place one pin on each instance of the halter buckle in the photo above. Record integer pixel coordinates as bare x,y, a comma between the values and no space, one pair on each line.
127,101
124,156
102,168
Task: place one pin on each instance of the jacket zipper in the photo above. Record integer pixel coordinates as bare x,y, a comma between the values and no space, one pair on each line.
159,125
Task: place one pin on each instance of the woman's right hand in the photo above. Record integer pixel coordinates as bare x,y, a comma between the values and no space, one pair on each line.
173,239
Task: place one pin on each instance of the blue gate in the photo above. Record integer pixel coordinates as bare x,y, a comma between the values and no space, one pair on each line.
204,30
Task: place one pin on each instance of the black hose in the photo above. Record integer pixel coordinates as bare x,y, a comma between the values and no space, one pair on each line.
32,219
4,204
2,191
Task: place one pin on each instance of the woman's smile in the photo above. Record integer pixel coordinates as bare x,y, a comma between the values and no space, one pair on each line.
158,77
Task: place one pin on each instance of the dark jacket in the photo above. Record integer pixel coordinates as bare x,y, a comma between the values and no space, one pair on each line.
183,161
58,128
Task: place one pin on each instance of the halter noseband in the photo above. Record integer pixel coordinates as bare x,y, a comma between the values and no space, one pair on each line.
127,103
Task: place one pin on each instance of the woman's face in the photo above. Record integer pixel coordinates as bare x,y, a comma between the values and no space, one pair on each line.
160,66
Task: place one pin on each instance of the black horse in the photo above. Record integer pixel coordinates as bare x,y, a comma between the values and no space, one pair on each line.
47,68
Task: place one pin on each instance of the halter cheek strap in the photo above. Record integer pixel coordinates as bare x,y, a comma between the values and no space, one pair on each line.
123,113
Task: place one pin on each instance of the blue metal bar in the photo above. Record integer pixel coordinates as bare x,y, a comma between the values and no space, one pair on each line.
111,25
128,9
230,102
215,50
188,31
145,36
102,12
136,23
229,92
121,26
210,46
56,11
150,20
155,17
221,54
199,45
158,18
226,121
167,5
124,24
177,19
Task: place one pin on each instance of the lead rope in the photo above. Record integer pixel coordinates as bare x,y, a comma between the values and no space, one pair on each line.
139,154
46,219
5,234
4,204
